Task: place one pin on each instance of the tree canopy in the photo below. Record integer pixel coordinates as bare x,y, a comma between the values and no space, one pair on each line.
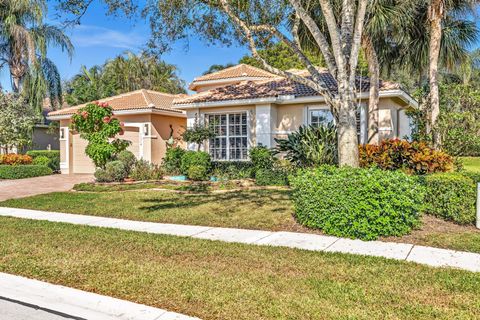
124,73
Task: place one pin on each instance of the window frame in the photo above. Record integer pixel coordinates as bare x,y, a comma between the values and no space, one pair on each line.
206,118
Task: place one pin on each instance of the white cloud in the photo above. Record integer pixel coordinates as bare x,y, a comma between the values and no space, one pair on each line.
94,36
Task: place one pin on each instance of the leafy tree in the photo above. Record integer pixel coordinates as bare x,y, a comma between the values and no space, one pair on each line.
123,74
24,39
260,24
96,124
17,120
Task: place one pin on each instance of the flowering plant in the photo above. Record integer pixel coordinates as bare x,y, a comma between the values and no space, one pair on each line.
96,124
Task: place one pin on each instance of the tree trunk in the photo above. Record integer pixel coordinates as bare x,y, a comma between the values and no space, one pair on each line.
374,96
348,154
435,14
17,72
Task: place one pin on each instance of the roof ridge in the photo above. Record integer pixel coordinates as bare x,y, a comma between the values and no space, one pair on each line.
147,98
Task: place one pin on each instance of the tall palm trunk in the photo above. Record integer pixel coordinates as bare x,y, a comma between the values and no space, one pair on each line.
435,14
374,95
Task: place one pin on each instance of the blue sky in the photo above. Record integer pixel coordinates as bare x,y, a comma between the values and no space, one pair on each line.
100,37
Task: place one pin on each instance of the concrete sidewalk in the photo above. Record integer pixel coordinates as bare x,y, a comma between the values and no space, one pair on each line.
33,299
401,251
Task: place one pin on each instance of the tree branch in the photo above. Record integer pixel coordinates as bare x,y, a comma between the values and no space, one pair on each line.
317,35
334,34
357,38
318,86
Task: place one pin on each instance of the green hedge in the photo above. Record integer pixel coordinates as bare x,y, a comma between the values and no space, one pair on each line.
195,158
451,196
271,177
53,155
23,171
357,203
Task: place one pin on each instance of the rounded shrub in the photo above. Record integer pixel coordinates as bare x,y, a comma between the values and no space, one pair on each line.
197,173
41,161
128,159
23,171
357,203
261,157
195,158
114,171
12,159
451,196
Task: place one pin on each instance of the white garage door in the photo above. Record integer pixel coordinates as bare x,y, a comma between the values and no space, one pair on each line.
81,163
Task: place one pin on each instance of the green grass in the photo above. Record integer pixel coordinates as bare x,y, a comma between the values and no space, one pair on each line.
214,280
260,209
471,163
257,209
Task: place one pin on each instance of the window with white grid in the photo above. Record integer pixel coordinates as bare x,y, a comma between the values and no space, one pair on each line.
231,141
320,117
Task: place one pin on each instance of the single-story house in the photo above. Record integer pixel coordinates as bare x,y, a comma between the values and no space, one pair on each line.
149,122
249,106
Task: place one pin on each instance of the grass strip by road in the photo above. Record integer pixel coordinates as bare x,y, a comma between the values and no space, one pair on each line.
215,280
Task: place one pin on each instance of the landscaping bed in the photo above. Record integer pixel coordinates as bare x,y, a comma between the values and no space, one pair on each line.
214,280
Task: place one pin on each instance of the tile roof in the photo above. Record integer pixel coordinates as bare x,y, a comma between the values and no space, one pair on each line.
238,71
273,88
135,100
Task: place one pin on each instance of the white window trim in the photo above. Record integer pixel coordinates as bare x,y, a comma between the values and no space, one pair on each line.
308,108
66,165
141,136
206,146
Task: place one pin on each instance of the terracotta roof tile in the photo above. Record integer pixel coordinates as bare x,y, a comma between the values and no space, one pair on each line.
238,71
140,99
274,88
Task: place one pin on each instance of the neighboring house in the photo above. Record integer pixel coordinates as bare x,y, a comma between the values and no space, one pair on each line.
44,136
249,107
149,121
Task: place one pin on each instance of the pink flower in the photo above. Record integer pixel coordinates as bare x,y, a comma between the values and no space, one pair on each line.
121,132
122,124
106,119
84,114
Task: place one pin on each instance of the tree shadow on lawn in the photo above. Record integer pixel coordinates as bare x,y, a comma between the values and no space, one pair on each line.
257,198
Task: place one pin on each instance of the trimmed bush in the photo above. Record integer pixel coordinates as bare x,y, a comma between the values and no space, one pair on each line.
144,170
114,171
415,157
41,161
195,158
13,159
23,171
173,160
233,170
451,196
357,203
261,157
53,155
197,173
128,159
475,176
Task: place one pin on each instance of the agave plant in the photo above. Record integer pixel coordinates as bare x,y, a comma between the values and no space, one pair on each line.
310,146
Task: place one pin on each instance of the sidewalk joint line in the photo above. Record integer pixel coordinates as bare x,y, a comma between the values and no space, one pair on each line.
331,244
37,307
196,234
268,235
409,252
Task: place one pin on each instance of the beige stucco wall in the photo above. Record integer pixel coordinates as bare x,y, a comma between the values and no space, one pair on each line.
161,133
153,145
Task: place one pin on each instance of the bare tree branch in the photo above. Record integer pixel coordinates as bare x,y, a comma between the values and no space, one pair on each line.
334,34
357,38
317,35
317,85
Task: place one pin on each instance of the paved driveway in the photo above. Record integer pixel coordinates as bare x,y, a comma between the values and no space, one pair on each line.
32,186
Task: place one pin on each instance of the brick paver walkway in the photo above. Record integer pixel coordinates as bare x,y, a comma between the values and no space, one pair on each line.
10,189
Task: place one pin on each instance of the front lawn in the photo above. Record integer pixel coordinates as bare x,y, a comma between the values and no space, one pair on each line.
471,163
257,209
215,280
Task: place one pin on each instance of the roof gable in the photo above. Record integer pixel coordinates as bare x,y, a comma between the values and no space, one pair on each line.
136,100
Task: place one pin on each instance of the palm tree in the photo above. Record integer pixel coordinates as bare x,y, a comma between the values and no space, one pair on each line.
143,71
439,11
24,39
